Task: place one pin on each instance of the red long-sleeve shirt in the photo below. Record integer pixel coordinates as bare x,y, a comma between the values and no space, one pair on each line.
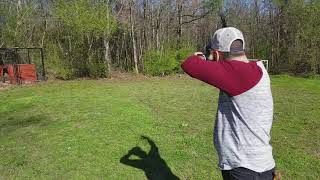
232,76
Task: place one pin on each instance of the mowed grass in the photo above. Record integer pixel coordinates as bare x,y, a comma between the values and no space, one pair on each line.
81,129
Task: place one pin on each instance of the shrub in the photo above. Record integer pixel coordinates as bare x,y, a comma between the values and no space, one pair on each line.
160,62
97,69
301,67
166,61
182,54
56,65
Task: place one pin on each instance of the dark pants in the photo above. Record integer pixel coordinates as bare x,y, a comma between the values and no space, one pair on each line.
247,174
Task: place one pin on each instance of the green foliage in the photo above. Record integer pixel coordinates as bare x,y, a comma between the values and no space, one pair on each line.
73,64
301,68
166,61
85,22
284,31
86,16
185,52
97,68
57,65
305,36
263,49
17,25
182,54
160,62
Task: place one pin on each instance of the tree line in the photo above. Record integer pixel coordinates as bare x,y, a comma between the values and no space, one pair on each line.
91,38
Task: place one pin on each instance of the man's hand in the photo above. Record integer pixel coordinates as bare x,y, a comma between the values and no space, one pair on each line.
200,54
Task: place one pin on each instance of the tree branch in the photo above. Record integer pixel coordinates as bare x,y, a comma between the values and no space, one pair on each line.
197,18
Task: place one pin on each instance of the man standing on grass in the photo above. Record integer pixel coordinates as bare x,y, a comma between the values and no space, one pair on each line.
245,108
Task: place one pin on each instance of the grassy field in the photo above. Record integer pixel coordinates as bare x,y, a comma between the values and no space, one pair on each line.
83,129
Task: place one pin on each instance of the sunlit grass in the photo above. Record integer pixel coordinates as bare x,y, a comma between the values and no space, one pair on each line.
81,129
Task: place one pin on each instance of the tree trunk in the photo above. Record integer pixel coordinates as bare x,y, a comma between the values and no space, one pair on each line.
145,5
134,46
158,28
179,30
44,33
106,56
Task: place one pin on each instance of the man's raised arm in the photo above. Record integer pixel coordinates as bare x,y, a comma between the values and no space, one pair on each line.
232,77
211,72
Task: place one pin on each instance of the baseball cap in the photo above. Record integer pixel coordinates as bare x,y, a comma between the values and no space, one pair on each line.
224,37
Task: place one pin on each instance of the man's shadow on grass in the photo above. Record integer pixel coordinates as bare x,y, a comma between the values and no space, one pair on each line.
154,167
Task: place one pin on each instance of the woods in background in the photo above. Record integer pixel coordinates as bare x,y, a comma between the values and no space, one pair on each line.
90,38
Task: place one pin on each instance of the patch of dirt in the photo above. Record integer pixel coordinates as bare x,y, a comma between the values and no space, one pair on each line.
125,76
6,85
117,76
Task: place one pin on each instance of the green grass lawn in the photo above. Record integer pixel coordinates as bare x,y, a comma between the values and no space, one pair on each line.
81,129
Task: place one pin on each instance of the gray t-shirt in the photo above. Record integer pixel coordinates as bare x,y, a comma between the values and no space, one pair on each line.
242,128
